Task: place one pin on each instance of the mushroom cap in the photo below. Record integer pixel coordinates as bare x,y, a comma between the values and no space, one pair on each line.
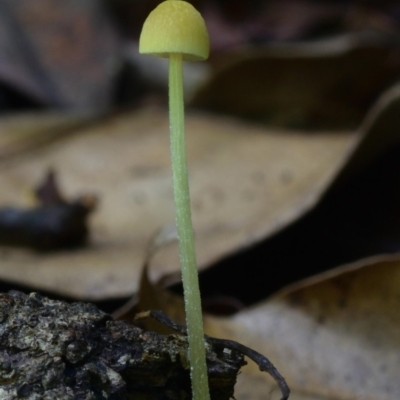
175,26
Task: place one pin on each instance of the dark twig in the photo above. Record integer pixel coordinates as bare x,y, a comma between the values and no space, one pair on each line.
262,361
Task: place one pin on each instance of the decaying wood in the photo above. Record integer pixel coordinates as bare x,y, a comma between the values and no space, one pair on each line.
54,350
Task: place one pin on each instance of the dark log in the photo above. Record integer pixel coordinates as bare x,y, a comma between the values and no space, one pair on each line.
54,350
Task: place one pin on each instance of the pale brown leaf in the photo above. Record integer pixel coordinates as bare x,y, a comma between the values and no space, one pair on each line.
326,83
246,182
334,335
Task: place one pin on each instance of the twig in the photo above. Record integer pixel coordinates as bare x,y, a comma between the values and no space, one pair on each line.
262,361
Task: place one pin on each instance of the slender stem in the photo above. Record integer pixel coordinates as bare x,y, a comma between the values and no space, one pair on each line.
190,278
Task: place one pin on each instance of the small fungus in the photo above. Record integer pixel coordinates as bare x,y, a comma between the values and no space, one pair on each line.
175,29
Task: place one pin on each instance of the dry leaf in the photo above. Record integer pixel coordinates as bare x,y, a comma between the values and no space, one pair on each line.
382,124
153,295
246,182
329,83
334,335
357,217
32,130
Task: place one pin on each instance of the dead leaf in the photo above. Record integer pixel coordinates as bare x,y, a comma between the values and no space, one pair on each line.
152,295
382,124
357,217
329,83
334,335
234,168
247,183
33,130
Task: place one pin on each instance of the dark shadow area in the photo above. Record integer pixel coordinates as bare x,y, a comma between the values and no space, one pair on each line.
11,100
358,219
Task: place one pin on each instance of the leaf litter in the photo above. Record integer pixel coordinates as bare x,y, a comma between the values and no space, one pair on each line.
324,83
338,329
333,335
130,154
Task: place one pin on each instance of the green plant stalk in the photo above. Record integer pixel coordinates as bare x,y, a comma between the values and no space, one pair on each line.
194,321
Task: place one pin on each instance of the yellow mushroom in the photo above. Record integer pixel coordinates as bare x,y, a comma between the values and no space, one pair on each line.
177,31
175,27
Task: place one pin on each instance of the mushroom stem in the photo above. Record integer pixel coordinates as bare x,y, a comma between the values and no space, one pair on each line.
194,322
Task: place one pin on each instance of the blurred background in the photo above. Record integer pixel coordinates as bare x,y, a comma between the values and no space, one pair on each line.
294,158
84,55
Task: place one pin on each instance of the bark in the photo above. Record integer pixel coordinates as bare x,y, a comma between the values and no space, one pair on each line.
54,350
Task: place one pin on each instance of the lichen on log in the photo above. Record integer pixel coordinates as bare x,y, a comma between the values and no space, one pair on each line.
54,350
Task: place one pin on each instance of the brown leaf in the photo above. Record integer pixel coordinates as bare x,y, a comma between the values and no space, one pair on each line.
381,127
239,172
30,131
152,296
247,183
334,335
328,83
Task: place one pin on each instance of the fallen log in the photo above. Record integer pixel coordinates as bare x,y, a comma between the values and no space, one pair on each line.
55,350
